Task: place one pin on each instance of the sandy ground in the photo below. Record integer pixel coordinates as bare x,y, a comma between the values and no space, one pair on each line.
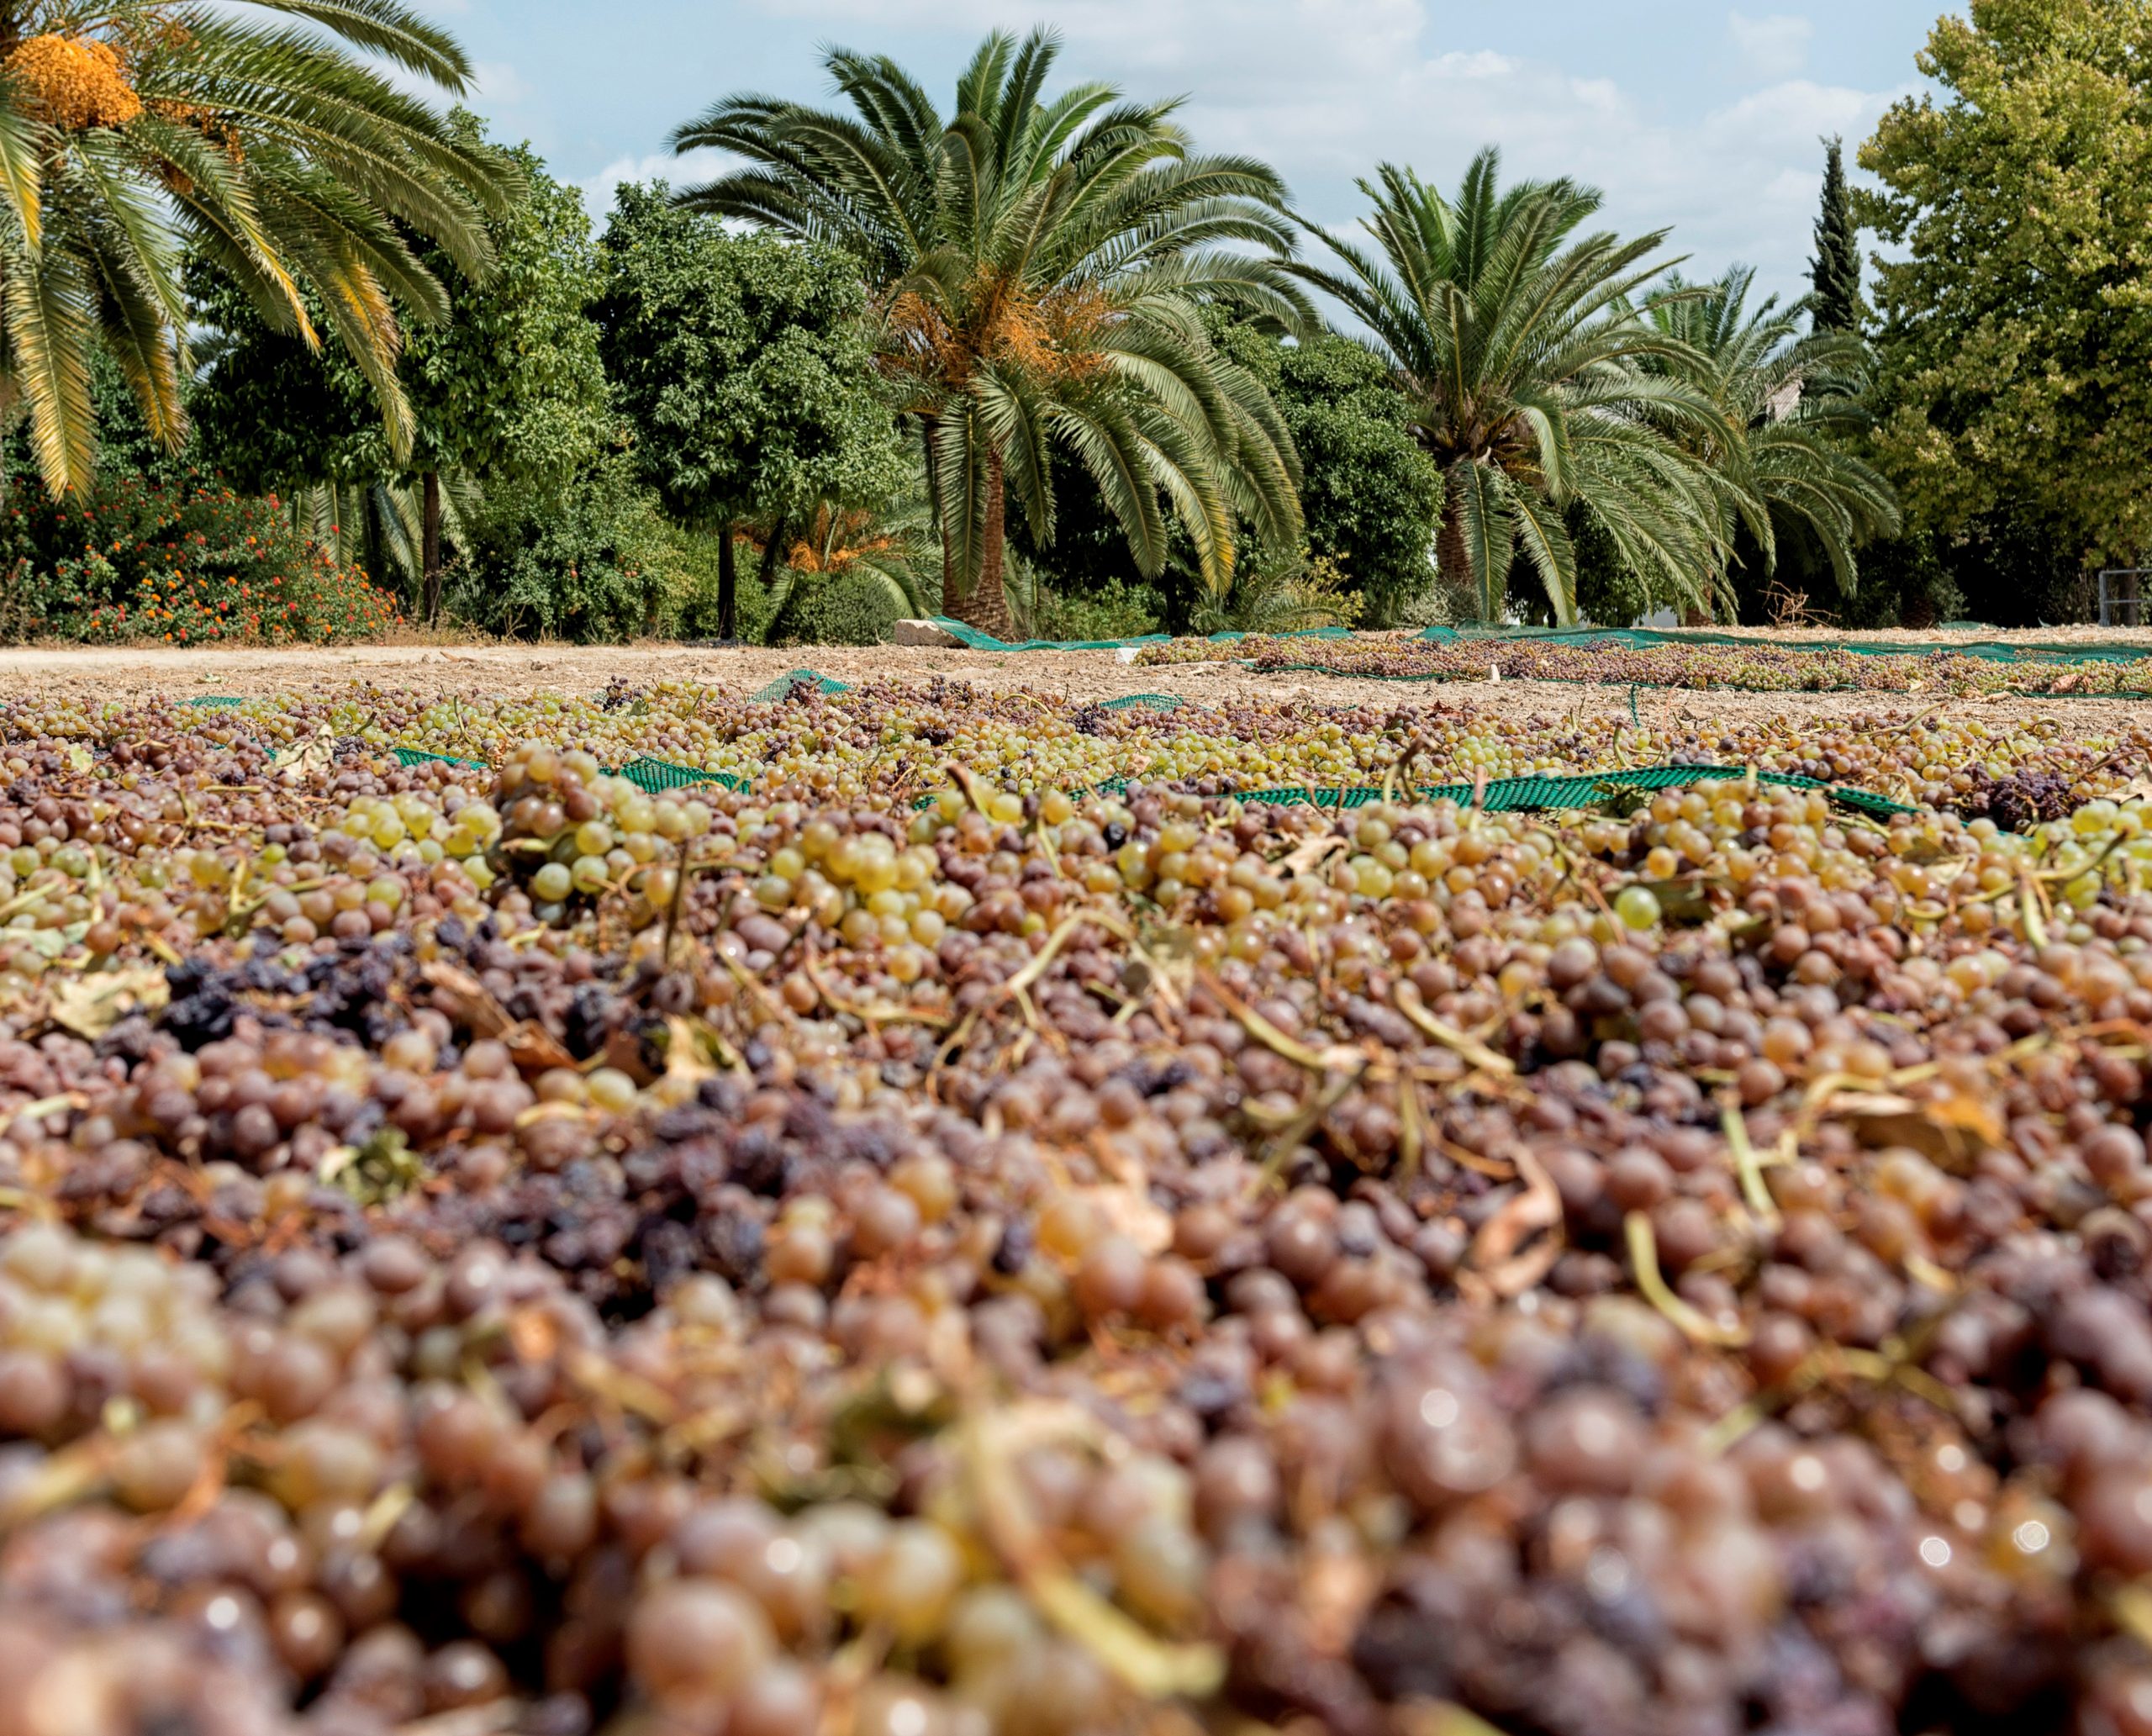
474,671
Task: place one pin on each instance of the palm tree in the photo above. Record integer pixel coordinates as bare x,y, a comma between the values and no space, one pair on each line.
1037,268
889,544
1792,400
1520,349
133,130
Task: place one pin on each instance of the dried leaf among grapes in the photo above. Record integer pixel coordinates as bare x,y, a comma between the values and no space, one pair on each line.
90,1003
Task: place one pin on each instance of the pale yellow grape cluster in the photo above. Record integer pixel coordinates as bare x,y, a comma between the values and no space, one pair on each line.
454,825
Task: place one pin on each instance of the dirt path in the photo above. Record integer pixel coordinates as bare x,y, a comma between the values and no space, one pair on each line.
475,671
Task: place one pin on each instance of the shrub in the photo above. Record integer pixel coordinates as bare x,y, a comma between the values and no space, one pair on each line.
844,609
585,562
1285,593
693,589
1116,608
192,562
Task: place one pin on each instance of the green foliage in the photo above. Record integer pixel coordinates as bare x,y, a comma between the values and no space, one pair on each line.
1610,592
286,156
1281,594
1517,345
1119,608
1038,265
891,544
1834,273
743,363
194,563
511,408
2012,289
1789,408
842,608
508,389
587,562
1371,498
692,573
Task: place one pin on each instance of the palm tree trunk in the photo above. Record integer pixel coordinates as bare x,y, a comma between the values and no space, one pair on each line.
948,602
987,607
1453,559
728,582
429,543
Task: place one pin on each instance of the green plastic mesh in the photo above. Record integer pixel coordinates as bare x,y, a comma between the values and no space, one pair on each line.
1992,650
976,640
656,775
1505,795
215,702
1155,702
783,686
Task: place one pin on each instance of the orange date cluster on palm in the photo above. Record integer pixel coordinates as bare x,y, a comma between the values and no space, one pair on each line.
75,82
503,1250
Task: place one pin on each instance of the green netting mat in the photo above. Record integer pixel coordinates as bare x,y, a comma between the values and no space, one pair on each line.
1579,790
1992,650
978,641
654,775
215,702
1504,795
1154,702
783,686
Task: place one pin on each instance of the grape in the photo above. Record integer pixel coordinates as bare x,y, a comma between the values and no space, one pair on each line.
710,1260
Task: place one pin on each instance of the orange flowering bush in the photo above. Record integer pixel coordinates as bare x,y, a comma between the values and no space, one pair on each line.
194,564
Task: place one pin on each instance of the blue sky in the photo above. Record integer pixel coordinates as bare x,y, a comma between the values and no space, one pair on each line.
1697,116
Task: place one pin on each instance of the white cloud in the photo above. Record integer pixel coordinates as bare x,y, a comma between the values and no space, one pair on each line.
695,167
499,83
1772,47
1324,89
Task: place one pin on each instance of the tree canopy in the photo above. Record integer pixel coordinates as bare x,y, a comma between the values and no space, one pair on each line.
2013,287
746,368
134,132
1371,498
1835,273
1794,404
513,495
509,387
1039,267
1517,342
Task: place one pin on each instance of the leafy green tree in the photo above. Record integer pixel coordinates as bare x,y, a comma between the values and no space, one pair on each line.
2014,289
1519,348
1371,498
747,369
1835,273
133,131
508,393
1793,405
1037,268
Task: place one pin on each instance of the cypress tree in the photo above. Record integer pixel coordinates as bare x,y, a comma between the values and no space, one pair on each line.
1835,271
